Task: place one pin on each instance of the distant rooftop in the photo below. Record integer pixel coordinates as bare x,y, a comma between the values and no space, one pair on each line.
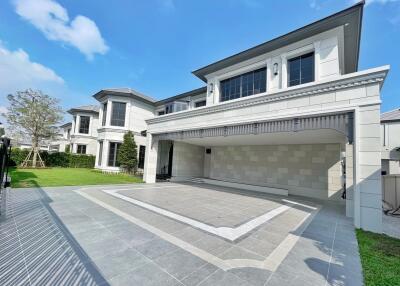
392,115
86,108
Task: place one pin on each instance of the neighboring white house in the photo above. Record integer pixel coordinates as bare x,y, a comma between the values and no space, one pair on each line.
84,129
390,136
63,141
291,116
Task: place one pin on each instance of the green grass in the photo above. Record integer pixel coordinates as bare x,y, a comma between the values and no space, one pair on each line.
380,258
23,178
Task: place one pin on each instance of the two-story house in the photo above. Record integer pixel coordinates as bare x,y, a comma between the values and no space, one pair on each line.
291,116
63,141
84,129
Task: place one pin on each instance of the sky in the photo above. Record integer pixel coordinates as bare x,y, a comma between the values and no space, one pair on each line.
72,49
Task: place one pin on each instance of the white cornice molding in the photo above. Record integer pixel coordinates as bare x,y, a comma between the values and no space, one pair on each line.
341,82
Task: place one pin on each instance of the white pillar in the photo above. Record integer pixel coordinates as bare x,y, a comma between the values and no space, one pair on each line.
150,161
104,157
367,153
349,180
283,71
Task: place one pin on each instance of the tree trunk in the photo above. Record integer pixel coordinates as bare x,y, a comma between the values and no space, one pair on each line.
34,149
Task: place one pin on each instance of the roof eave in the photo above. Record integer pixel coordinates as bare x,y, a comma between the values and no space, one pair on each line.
286,38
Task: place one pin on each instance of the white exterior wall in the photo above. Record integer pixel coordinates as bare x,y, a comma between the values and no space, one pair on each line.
390,140
188,161
136,114
328,50
89,139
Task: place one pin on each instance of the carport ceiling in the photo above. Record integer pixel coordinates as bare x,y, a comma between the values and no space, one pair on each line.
320,136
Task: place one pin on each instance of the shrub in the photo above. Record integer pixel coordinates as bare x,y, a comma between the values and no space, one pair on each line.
57,159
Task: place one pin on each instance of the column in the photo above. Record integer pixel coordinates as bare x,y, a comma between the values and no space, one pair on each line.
150,161
349,180
367,164
104,158
284,71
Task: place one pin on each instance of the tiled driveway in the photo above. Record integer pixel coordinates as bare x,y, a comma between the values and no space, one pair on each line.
173,234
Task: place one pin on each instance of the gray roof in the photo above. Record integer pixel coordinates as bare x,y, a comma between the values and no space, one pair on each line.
350,19
66,125
392,115
182,95
124,91
85,108
147,99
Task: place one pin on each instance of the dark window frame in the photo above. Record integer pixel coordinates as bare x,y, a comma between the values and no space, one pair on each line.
301,63
81,149
118,114
83,128
200,103
243,85
142,154
113,154
104,119
161,112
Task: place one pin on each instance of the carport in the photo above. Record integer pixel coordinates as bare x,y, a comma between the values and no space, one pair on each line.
297,156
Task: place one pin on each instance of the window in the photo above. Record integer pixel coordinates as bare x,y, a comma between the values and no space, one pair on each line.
104,119
301,69
100,153
113,154
118,113
200,103
81,149
176,106
84,124
244,85
161,112
142,152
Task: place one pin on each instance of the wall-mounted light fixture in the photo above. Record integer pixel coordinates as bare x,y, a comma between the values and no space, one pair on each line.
211,87
275,69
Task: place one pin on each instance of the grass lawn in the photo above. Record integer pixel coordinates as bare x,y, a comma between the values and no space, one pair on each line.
380,258
23,178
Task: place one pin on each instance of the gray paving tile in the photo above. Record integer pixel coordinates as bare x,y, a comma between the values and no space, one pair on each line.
213,244
200,275
222,278
101,248
149,274
119,263
236,252
156,248
254,276
180,263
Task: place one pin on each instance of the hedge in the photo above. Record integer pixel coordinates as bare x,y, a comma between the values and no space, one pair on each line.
55,159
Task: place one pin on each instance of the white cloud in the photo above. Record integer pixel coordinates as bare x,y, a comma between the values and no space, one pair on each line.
18,72
52,19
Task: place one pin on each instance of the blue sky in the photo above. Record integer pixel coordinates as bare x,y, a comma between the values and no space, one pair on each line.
72,49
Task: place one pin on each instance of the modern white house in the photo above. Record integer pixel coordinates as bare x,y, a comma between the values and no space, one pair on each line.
390,137
83,132
291,116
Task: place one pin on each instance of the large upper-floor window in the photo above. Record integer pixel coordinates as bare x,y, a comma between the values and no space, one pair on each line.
301,69
104,119
118,113
113,154
84,124
244,85
176,106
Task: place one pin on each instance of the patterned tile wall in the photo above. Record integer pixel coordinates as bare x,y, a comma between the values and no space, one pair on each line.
310,170
188,160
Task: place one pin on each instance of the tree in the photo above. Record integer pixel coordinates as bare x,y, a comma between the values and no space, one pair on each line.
127,154
36,115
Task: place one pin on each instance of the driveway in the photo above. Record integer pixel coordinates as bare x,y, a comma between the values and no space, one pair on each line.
174,234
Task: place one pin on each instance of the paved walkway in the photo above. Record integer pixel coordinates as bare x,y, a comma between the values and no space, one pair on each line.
87,236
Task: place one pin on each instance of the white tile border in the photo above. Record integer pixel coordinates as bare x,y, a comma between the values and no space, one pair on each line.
228,233
271,263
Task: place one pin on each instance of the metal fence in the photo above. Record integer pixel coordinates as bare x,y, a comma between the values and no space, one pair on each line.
5,151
